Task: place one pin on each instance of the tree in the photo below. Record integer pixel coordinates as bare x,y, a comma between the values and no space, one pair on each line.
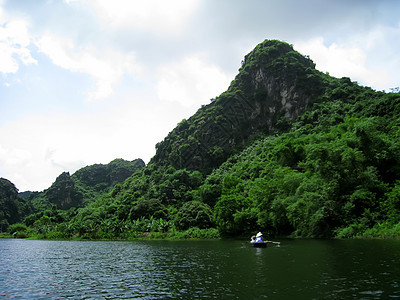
194,214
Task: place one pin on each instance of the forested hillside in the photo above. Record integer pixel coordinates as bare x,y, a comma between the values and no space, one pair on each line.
12,207
274,85
67,192
333,174
286,150
84,186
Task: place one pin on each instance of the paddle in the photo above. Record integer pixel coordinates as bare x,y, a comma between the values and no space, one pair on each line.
277,243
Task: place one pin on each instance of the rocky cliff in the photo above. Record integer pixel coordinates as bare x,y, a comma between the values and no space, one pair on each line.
273,87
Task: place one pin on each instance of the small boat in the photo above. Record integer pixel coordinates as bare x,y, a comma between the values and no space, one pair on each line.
258,242
259,245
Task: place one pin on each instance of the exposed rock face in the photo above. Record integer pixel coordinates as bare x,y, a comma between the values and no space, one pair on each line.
276,77
63,194
274,85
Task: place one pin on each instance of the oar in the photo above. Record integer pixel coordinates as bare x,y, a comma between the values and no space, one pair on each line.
277,243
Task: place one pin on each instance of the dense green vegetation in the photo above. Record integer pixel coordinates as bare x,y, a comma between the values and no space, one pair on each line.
274,85
286,150
84,186
12,207
66,193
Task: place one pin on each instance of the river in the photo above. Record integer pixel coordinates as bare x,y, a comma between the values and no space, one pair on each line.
223,269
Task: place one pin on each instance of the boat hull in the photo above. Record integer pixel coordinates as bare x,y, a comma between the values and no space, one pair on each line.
259,245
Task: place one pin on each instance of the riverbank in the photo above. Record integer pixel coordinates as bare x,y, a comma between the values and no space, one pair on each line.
379,231
191,233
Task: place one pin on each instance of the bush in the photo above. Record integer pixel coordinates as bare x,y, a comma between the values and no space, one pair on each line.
17,227
385,231
197,233
351,231
20,235
194,214
57,235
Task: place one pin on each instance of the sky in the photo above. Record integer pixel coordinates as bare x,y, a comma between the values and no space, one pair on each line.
89,81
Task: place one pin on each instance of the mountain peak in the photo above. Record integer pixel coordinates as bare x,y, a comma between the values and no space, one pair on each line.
266,52
274,85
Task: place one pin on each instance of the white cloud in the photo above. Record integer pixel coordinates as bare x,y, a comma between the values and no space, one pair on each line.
336,59
382,48
14,42
16,156
35,149
39,147
191,82
106,66
150,15
346,60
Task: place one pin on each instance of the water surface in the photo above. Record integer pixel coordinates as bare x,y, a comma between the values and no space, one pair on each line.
227,269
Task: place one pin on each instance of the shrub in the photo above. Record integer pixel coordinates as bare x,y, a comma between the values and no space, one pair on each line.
17,227
197,233
194,214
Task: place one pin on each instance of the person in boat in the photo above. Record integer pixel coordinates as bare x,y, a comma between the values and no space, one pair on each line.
253,239
259,238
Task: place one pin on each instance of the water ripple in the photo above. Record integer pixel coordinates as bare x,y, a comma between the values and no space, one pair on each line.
209,270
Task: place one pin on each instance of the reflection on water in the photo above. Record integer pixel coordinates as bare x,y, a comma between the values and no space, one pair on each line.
299,269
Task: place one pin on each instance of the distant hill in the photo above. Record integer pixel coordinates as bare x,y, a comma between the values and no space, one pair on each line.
12,207
84,185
